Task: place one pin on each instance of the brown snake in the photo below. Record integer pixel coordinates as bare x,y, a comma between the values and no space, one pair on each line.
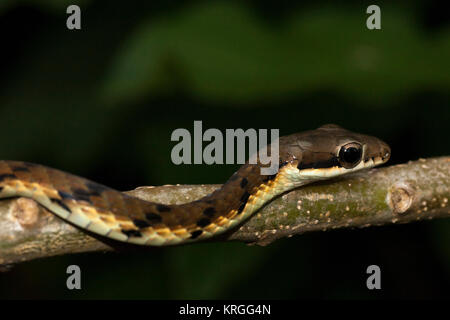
305,157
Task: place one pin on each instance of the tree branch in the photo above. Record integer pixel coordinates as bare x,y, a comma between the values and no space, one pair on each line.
397,194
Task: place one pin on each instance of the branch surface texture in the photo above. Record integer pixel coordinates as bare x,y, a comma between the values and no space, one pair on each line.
397,194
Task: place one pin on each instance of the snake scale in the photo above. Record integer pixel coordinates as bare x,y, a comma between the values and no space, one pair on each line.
305,157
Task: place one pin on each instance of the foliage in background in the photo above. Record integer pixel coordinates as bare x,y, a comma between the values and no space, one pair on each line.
103,101
223,52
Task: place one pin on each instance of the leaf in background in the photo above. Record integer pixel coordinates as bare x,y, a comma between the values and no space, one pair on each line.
221,52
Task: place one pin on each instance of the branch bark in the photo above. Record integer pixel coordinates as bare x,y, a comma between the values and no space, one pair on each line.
397,194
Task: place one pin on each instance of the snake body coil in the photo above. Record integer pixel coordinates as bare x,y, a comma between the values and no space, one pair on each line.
304,158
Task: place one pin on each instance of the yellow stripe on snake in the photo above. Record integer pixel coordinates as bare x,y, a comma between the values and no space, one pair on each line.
304,158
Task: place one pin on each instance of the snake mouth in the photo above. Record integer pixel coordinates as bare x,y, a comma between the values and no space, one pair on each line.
325,173
379,153
374,161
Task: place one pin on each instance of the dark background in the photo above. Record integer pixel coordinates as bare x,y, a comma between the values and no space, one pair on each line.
102,103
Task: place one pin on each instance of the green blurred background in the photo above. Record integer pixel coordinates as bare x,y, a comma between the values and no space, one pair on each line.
102,103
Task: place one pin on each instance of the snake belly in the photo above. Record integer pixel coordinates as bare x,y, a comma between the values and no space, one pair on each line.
304,158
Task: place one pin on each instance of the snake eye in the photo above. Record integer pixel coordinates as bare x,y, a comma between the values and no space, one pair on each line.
350,155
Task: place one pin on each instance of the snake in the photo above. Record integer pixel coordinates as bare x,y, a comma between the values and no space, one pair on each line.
306,157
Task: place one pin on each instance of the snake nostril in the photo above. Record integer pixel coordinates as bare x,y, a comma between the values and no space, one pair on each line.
385,153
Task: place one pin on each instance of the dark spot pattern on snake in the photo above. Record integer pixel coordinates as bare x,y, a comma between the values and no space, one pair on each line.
81,194
244,200
61,204
7,176
269,177
24,169
244,182
281,165
65,195
96,189
203,222
93,190
153,217
196,234
162,208
209,212
141,223
132,233
245,197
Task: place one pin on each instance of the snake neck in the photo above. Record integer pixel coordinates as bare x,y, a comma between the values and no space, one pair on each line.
243,194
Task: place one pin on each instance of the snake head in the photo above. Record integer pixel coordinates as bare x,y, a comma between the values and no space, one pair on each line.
331,150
